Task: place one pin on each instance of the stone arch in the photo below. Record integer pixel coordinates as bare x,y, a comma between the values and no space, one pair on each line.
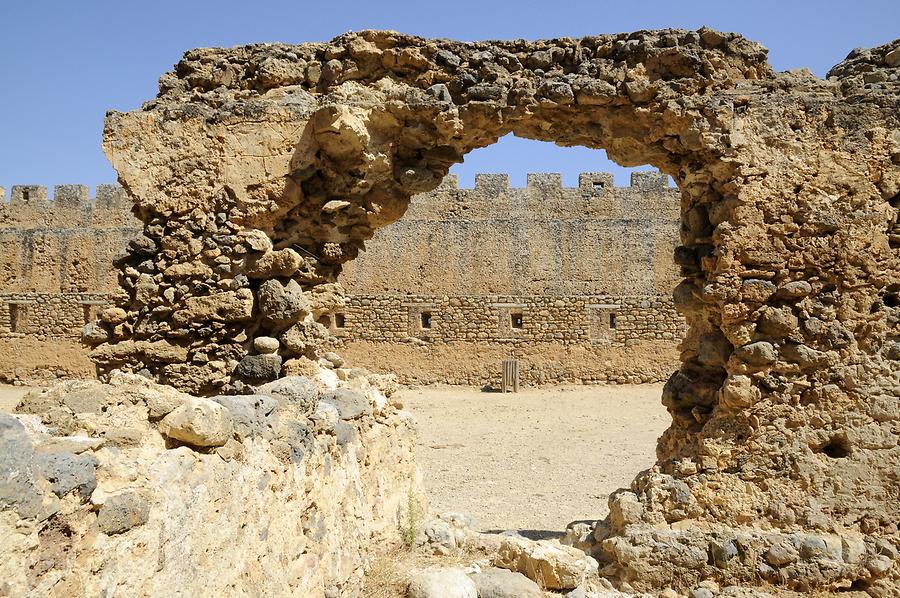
262,167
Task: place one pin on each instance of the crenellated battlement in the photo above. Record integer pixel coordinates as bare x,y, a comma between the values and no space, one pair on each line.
70,206
64,243
544,196
495,183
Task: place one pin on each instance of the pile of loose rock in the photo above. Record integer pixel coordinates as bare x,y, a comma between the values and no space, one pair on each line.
138,489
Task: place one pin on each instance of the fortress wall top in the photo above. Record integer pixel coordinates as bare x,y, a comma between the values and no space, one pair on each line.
542,239
31,207
545,197
63,244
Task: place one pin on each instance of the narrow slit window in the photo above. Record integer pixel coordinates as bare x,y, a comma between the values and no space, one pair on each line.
612,321
426,319
18,317
598,185
25,194
340,320
516,320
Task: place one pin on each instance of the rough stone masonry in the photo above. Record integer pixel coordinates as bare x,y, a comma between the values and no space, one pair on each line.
587,270
259,170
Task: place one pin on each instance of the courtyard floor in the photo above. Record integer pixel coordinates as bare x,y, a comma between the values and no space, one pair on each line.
536,460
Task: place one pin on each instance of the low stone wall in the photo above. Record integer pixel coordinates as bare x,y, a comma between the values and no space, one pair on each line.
44,316
135,489
585,339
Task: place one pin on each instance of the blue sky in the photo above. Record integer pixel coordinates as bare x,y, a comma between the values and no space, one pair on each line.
64,63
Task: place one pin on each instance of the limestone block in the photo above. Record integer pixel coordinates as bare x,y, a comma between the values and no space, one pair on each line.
295,390
556,566
122,512
252,415
198,422
284,262
304,338
256,368
282,304
442,583
68,472
502,583
266,344
228,306
349,403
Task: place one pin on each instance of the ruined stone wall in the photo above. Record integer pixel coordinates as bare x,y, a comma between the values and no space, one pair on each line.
508,319
56,268
780,464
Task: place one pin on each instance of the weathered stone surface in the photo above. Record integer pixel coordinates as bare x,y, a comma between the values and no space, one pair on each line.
256,240
202,521
334,360
257,368
230,306
160,351
122,512
441,583
501,583
69,444
266,344
555,566
68,472
18,482
295,390
198,422
760,353
251,415
282,304
304,338
93,334
284,262
349,403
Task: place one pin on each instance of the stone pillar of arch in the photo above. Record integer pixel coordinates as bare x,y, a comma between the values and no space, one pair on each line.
259,170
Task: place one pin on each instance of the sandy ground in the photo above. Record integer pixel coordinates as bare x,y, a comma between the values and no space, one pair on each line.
537,460
10,396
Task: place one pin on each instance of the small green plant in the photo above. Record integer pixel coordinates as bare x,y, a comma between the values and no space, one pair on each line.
413,520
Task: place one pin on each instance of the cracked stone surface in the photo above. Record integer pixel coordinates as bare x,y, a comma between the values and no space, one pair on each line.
781,463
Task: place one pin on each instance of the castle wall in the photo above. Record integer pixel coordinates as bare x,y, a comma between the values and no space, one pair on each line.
56,271
575,282
543,239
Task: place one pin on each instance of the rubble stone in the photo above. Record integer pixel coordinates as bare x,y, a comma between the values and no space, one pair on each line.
441,583
198,422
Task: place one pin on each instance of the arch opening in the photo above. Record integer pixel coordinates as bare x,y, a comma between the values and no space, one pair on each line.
573,280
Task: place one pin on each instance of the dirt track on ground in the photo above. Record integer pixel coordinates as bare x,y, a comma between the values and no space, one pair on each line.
536,460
